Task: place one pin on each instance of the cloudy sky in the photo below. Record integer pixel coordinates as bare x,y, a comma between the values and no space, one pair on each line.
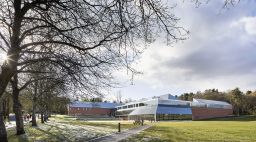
220,53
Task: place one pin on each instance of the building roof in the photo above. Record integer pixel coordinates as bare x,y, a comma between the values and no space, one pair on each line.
210,102
167,97
93,104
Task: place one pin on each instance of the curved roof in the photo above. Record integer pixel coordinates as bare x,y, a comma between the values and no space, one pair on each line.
210,102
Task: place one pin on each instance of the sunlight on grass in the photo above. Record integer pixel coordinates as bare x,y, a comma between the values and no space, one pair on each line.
221,130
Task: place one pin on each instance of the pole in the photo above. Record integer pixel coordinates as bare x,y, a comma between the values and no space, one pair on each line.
119,127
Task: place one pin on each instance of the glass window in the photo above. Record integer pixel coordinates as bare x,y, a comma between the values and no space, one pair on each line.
141,104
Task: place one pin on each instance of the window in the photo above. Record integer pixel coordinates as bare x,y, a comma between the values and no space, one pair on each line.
130,106
141,104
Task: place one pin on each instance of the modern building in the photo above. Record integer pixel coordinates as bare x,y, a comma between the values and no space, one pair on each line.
168,107
79,108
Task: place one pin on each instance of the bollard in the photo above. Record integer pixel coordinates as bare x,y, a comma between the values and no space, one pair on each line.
119,127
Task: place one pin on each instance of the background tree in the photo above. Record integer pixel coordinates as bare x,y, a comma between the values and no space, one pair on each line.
212,94
237,99
47,91
96,99
250,102
187,96
59,104
119,97
243,104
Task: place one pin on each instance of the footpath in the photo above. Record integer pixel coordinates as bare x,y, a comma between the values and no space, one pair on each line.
121,135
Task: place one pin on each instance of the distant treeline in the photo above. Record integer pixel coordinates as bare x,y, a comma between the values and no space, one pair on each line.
243,103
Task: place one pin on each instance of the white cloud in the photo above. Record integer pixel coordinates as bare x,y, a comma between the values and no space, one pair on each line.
220,52
247,23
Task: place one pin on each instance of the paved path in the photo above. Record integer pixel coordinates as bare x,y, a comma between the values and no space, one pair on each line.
122,135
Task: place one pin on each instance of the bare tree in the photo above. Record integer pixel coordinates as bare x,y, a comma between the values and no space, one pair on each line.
97,35
18,85
48,89
226,3
45,83
119,97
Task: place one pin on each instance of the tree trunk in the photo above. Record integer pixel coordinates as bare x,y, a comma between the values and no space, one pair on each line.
9,68
7,71
5,77
3,133
34,112
34,105
17,107
19,119
42,117
4,109
8,108
34,118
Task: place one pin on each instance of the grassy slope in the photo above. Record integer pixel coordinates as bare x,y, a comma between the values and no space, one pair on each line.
225,130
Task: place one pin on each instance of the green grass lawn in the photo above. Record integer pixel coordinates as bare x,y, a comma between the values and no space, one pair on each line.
220,130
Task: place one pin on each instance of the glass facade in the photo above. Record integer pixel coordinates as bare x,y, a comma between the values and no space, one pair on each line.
165,108
155,109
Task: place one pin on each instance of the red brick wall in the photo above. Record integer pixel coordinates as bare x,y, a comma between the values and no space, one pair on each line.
89,111
206,113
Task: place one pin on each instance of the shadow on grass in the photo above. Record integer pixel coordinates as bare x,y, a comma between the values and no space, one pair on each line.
58,136
18,138
72,138
23,138
234,118
58,128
